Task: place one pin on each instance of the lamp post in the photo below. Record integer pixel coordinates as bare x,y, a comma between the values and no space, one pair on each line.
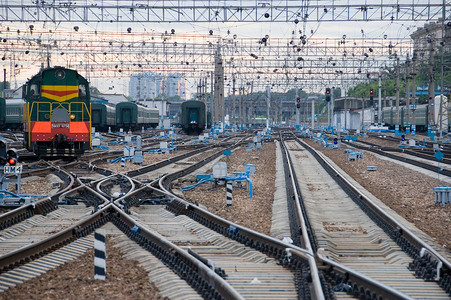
380,73
379,108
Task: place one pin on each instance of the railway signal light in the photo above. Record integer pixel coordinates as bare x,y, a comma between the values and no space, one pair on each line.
327,94
371,96
403,137
7,156
335,141
12,157
298,102
12,161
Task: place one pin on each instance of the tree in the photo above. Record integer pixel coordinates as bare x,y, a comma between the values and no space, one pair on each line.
2,84
94,90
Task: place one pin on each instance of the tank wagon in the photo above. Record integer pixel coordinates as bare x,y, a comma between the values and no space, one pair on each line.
57,113
192,117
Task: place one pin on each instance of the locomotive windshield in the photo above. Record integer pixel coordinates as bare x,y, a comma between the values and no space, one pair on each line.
82,92
35,91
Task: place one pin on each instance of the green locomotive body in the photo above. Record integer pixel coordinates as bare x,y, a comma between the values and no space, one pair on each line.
57,113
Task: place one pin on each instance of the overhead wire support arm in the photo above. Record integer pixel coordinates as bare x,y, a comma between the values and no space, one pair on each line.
190,11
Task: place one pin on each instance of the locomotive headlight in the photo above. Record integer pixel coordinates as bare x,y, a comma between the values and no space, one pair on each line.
60,74
72,116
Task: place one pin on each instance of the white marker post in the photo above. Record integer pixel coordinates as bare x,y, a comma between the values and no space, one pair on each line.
99,256
229,188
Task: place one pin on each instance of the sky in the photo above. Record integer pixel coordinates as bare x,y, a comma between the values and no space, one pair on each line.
354,29
252,30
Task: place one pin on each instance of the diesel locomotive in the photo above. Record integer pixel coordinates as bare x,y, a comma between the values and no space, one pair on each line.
57,113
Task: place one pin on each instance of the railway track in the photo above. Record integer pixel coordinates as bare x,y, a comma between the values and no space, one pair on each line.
218,259
421,158
43,264
416,158
40,227
78,229
253,274
342,227
429,144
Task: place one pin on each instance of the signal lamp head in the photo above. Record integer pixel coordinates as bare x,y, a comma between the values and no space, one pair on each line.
12,156
328,96
371,91
12,161
12,153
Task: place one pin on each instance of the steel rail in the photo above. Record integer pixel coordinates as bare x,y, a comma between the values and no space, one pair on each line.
356,280
198,276
406,239
35,250
249,237
261,242
110,178
359,280
403,159
171,254
306,234
42,206
426,153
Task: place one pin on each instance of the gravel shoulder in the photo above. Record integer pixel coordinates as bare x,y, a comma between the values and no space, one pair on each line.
254,213
75,280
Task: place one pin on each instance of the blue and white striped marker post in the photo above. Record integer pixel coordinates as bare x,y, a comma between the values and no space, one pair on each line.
99,256
229,193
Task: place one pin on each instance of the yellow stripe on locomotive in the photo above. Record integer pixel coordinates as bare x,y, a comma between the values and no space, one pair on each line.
59,92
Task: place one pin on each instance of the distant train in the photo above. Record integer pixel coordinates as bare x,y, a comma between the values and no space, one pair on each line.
421,117
103,116
132,116
57,113
125,115
11,114
193,117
